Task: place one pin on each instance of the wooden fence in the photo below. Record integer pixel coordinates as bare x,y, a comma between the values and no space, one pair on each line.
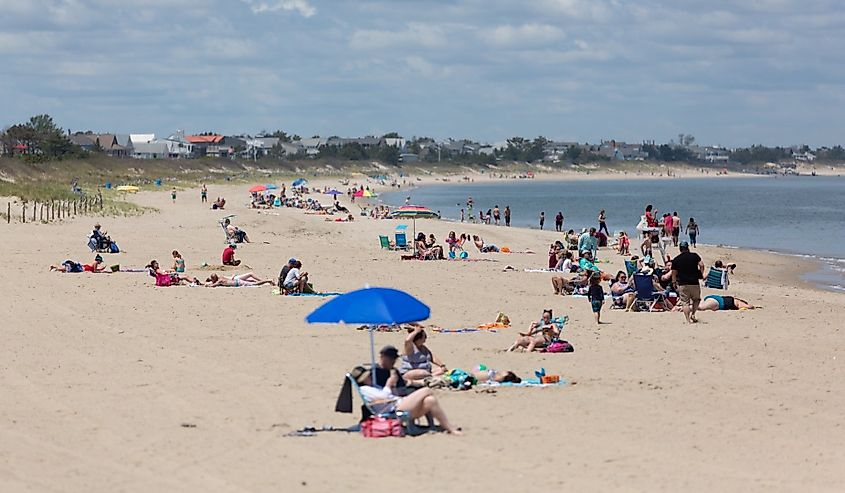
52,210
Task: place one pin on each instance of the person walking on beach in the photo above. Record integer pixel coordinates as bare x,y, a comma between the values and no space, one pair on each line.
542,219
687,269
507,215
496,215
692,231
469,210
603,223
559,222
595,295
462,215
676,228
204,194
173,195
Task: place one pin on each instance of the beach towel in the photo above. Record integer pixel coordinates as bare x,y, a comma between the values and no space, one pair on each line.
278,292
530,382
462,330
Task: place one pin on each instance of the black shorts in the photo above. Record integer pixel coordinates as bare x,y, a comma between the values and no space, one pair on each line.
730,304
676,231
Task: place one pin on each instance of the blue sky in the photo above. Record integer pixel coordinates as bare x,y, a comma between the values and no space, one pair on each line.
729,72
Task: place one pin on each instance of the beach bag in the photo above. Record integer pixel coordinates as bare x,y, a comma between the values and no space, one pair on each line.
378,427
113,248
558,347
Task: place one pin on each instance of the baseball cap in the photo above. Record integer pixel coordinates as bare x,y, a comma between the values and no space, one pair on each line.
390,351
291,260
683,244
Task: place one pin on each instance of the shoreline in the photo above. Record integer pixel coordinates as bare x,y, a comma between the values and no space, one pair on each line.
821,264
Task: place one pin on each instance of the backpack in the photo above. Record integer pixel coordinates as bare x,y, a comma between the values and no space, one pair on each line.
113,248
558,347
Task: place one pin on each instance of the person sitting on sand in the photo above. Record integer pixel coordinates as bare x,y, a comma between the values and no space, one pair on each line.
236,281
571,240
716,303
165,278
454,243
564,263
479,243
419,362
384,400
178,262
540,334
296,281
726,268
228,256
427,249
220,203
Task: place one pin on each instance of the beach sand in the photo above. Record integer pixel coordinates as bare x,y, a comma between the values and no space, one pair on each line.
111,384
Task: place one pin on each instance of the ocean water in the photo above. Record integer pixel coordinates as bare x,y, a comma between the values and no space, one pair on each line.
797,215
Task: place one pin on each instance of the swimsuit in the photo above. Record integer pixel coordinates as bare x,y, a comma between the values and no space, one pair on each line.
725,302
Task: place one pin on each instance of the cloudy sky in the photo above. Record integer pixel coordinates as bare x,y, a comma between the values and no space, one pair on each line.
731,72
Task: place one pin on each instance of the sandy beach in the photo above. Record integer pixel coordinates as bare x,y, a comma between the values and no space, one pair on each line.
112,384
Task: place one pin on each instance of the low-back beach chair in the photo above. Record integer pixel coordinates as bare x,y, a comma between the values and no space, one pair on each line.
385,242
717,278
411,428
631,267
402,241
647,297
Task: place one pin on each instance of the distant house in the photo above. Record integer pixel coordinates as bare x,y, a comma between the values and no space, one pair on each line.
259,146
206,145
408,157
142,138
313,145
150,150
178,146
87,140
124,140
394,142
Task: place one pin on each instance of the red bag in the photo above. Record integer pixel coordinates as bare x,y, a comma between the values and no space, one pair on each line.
378,427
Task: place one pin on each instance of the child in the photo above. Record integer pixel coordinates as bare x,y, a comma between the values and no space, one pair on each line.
173,195
178,262
596,296
624,244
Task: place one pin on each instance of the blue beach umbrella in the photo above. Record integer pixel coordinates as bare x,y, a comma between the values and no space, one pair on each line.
270,186
372,307
334,192
299,182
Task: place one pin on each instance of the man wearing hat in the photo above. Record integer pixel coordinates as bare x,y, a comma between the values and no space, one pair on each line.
687,269
283,274
229,255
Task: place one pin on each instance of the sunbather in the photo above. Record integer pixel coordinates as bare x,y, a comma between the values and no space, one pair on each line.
716,303
70,266
417,404
479,243
166,278
540,334
491,375
419,362
236,281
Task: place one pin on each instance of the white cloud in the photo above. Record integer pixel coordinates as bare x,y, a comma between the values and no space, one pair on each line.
414,34
509,35
304,8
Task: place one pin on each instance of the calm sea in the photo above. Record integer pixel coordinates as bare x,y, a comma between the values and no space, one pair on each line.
800,215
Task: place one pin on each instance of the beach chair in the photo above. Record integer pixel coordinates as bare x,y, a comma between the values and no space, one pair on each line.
647,297
717,278
411,428
402,241
385,242
631,267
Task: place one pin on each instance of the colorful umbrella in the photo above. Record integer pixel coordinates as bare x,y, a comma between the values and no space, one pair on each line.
334,192
413,212
364,193
257,188
372,307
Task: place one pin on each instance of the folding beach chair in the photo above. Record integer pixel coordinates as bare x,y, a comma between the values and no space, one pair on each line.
411,428
717,278
385,242
631,267
402,241
647,297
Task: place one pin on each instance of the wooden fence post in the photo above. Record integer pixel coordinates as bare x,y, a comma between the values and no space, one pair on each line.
34,206
41,213
23,213
8,212
74,207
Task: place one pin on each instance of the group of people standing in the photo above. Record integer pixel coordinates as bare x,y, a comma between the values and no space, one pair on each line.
492,216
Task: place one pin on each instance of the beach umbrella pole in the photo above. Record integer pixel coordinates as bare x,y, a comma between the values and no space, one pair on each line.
373,356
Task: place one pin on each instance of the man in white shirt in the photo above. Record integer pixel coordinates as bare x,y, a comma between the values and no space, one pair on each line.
296,281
